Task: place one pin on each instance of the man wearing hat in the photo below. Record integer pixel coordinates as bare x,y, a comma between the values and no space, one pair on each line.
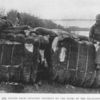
94,37
94,34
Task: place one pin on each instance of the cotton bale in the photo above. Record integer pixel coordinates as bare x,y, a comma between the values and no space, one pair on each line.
44,31
11,53
73,62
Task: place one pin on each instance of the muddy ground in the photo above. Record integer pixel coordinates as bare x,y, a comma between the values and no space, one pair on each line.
44,88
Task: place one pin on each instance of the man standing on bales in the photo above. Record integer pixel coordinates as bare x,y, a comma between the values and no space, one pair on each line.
94,37
95,30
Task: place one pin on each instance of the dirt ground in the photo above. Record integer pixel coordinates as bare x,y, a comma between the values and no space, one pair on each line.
44,88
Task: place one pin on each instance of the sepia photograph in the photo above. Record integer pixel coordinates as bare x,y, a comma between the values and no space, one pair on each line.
50,46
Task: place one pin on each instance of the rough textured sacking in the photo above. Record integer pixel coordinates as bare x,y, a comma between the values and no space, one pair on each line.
9,73
11,59
78,67
11,53
4,75
15,73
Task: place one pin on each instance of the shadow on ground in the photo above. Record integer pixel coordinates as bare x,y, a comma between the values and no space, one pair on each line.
44,88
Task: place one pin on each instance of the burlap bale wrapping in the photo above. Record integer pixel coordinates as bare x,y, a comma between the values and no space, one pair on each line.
15,73
11,53
17,53
44,31
10,37
9,73
4,75
16,30
20,38
3,24
11,60
78,66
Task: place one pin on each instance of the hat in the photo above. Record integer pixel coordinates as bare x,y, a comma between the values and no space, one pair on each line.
98,17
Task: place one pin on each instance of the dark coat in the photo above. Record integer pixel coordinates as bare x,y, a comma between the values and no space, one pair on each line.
95,33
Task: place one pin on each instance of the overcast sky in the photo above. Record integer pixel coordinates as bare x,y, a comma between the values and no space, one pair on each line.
55,9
